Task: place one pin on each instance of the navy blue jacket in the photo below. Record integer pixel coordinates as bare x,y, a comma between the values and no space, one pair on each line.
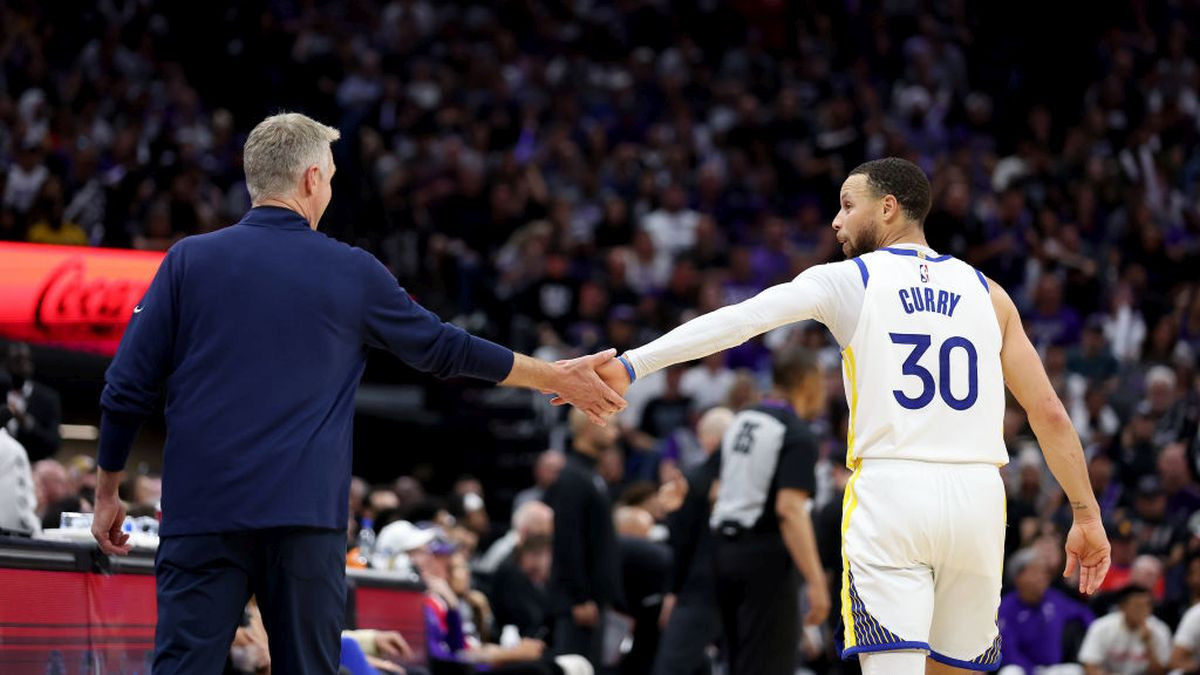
258,334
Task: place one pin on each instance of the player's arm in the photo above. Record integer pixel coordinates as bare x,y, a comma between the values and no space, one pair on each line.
1087,546
808,296
795,524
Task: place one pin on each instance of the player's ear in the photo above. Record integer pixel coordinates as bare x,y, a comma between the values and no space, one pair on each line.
890,206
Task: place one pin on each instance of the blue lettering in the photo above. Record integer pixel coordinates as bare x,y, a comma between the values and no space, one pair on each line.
954,298
930,303
943,299
917,301
908,308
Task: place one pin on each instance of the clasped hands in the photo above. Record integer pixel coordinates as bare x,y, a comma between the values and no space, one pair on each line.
595,383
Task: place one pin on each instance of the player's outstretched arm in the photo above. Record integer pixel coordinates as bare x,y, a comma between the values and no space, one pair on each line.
722,328
1087,546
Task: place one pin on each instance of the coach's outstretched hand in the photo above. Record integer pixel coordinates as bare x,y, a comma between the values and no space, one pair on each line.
1089,552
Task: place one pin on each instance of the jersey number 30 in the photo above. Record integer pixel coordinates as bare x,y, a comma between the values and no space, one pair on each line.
920,344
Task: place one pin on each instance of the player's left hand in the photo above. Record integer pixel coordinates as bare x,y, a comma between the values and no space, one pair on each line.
1088,551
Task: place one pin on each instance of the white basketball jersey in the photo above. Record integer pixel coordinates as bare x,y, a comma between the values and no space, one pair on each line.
922,370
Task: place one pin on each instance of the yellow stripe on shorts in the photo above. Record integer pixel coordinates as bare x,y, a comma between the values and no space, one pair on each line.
852,377
849,502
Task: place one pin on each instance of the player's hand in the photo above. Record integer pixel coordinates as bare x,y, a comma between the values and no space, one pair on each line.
614,375
107,520
578,384
672,493
586,614
818,603
1088,551
392,645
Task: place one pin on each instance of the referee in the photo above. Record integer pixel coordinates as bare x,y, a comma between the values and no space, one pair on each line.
257,334
760,520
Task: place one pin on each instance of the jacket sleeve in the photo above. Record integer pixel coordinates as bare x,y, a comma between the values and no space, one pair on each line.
393,321
135,378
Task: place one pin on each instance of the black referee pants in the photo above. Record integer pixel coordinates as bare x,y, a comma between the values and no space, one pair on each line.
758,596
298,576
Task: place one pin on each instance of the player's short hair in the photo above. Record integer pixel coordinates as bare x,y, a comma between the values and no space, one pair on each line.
903,180
791,365
280,149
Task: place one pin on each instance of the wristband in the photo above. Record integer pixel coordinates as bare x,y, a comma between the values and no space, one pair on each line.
628,368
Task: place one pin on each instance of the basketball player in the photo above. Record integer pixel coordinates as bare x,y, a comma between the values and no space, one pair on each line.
927,343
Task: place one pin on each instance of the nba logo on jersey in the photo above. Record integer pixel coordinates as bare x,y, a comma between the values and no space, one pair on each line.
924,273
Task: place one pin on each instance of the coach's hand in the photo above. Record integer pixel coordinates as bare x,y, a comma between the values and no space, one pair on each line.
108,519
578,384
1088,551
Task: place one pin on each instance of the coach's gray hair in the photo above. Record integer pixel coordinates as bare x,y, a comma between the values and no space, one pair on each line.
280,149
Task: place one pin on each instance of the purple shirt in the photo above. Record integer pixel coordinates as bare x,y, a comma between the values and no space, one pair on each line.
1032,636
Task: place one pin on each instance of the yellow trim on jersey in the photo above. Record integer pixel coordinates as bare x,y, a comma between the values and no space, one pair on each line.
849,502
852,377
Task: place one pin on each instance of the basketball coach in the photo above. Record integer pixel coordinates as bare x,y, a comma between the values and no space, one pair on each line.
257,335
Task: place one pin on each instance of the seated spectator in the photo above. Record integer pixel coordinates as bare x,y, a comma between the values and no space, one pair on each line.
18,500
545,472
1129,641
453,640
531,519
1034,619
645,568
50,483
1185,655
520,594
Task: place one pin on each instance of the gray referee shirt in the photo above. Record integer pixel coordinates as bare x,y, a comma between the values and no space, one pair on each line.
766,448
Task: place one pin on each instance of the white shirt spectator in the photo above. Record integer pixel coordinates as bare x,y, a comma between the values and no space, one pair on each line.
673,232
1111,644
1187,636
17,500
1125,330
707,387
23,186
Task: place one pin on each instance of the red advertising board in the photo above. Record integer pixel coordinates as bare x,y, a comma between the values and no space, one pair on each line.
69,296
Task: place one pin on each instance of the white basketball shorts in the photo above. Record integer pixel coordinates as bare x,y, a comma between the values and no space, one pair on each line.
923,550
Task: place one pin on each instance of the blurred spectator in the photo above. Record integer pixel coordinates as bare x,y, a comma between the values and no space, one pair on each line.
1035,620
18,498
1129,641
520,589
690,619
1186,653
708,383
531,519
645,568
35,408
545,472
586,578
50,483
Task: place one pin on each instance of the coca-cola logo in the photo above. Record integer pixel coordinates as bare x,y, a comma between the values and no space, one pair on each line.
70,302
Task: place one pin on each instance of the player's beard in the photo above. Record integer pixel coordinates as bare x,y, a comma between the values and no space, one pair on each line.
869,239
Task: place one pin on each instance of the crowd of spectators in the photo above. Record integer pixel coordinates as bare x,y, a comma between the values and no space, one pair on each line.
570,176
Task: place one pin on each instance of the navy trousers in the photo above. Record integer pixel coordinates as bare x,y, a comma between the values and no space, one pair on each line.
298,576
